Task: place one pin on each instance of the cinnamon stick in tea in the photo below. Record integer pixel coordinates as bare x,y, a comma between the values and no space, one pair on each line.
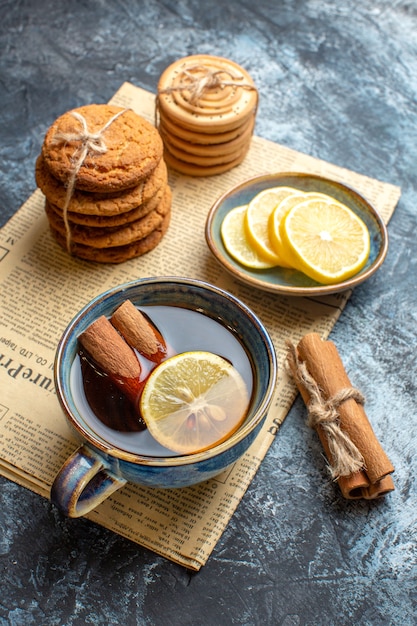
139,332
114,356
357,460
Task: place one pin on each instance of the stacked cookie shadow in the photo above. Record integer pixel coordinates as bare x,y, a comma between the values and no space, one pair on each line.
102,172
206,109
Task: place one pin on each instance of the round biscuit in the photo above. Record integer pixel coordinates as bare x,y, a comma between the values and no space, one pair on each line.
117,254
112,237
190,169
109,221
205,160
133,147
200,136
220,107
216,151
95,203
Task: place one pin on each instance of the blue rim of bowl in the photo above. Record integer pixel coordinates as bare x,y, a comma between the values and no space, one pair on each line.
88,313
287,281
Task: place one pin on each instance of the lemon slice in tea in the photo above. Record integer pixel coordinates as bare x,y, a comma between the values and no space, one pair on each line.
193,401
236,242
325,240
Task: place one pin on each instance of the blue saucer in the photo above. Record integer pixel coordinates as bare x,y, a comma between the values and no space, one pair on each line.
287,281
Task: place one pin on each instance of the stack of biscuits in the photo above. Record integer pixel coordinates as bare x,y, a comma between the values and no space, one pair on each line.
206,109
102,172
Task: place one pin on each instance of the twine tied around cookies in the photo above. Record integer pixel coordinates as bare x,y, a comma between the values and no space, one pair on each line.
346,458
207,79
88,144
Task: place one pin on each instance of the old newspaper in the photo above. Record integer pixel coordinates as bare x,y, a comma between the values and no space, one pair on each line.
41,290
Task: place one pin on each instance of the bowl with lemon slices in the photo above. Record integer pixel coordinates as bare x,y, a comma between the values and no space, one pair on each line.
171,388
296,234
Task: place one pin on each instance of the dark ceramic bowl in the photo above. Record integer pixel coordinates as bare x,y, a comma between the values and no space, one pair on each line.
99,467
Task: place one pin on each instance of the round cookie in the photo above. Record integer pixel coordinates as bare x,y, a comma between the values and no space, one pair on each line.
109,221
113,237
131,148
207,91
190,169
200,136
204,160
117,254
207,156
231,147
100,204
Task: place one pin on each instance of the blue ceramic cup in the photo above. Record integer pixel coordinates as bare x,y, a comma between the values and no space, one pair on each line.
100,465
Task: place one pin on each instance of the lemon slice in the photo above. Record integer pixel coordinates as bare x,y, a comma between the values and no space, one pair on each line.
257,219
326,240
193,401
274,222
278,215
236,243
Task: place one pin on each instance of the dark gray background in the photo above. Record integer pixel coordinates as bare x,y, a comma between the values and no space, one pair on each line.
337,80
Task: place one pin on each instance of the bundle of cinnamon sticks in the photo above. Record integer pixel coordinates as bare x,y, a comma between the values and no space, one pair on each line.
356,458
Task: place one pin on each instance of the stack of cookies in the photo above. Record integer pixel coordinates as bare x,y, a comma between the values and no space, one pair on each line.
105,183
206,109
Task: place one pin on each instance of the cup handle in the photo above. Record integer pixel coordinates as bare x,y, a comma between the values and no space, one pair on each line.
83,482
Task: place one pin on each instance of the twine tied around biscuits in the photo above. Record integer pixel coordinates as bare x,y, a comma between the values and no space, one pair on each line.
88,143
208,79
347,459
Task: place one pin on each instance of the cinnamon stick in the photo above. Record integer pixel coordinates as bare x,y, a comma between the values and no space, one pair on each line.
114,356
139,332
317,368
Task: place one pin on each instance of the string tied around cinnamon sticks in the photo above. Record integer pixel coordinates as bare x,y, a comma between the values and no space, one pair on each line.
198,85
336,413
321,412
89,143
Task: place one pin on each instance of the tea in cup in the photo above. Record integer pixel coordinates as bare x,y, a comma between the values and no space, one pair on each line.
192,319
